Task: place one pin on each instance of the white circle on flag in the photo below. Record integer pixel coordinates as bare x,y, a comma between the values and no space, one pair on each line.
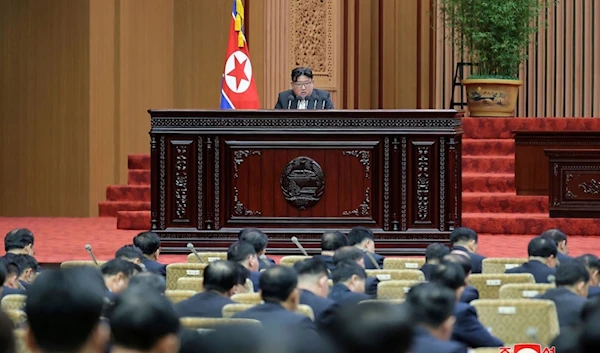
238,72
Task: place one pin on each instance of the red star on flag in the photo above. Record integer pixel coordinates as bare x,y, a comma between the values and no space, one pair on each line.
238,72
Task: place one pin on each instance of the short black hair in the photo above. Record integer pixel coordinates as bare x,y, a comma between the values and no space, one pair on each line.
18,239
116,266
129,252
448,274
555,234
436,251
220,276
64,323
25,262
240,251
311,267
570,274
277,283
138,320
347,253
333,240
148,242
463,259
12,270
256,237
541,247
461,234
359,234
301,71
148,281
431,303
345,270
589,261
242,274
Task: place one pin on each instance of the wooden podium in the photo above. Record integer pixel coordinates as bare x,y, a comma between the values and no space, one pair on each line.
298,173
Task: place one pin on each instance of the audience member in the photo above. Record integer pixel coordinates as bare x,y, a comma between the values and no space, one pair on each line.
348,284
191,341
130,253
148,281
465,240
459,257
11,280
220,280
117,274
560,239
18,241
433,255
592,264
352,254
149,243
313,283
259,241
243,280
364,239
542,260
243,253
330,242
27,269
7,336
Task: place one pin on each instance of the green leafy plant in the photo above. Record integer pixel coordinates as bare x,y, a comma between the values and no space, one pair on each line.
494,34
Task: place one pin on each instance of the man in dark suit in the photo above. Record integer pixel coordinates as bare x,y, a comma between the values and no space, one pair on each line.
461,258
303,95
432,308
130,253
592,264
542,260
364,239
330,242
28,266
433,255
352,254
259,240
465,239
560,239
117,273
220,279
11,284
243,253
348,284
570,294
149,243
313,283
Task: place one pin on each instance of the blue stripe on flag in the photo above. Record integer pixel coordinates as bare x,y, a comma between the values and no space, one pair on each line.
225,102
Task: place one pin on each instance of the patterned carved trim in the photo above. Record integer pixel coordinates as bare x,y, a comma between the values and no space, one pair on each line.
593,188
364,159
386,183
568,192
200,173
233,236
403,185
238,158
162,191
442,183
153,215
457,176
363,208
181,181
239,209
217,182
422,183
555,169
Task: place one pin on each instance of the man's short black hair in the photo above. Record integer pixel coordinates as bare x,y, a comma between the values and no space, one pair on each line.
148,281
25,262
347,253
463,259
541,247
311,267
359,234
148,242
570,274
590,261
301,71
12,270
462,234
333,240
129,252
555,234
242,274
436,251
431,303
138,320
220,276
448,274
256,237
63,307
240,251
345,270
116,266
18,239
277,283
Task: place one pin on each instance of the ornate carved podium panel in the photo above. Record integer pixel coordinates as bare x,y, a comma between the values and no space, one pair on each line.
298,173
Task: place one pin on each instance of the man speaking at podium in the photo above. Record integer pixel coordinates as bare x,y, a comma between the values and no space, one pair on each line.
303,95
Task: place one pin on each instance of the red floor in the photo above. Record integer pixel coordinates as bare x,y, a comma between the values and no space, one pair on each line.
61,239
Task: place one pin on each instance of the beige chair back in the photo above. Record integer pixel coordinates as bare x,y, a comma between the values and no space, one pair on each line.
489,285
289,261
21,347
247,298
178,295
196,323
207,257
231,309
13,302
523,290
390,301
396,275
519,320
177,270
67,264
501,264
306,311
18,317
190,283
394,290
403,263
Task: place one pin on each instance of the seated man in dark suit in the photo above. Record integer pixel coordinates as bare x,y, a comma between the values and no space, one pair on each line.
131,253
467,328
560,239
592,264
330,242
432,309
28,266
117,273
11,280
149,282
570,294
433,255
243,253
364,239
348,284
149,243
18,241
542,260
352,254
303,95
470,293
220,279
465,239
259,240
313,283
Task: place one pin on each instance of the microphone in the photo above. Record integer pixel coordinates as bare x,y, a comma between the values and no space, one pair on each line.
315,105
193,250
323,107
264,259
290,99
371,258
88,248
295,241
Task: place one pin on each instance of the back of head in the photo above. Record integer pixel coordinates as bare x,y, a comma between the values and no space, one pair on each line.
311,268
116,266
333,240
148,242
25,262
148,281
344,271
541,247
431,304
240,251
462,259
220,276
277,283
556,235
256,237
18,239
436,252
129,253
571,273
63,308
347,254
462,235
448,274
357,235
590,261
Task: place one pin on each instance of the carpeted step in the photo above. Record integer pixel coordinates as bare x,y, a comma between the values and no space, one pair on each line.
111,208
138,177
488,147
528,223
488,164
128,193
133,220
494,128
138,161
488,182
502,202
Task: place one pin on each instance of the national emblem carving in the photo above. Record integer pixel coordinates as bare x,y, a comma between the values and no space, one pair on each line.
302,182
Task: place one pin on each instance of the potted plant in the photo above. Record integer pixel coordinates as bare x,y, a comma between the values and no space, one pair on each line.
495,35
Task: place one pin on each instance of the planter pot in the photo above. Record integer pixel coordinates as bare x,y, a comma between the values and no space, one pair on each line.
492,97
